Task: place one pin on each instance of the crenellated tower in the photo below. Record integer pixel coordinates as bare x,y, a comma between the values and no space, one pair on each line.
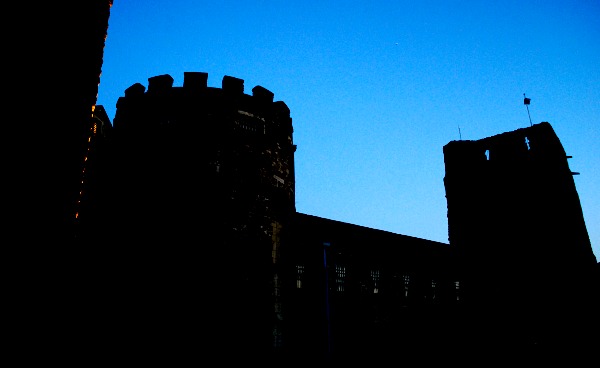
206,146
201,191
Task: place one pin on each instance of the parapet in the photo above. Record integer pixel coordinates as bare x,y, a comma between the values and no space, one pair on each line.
168,103
538,142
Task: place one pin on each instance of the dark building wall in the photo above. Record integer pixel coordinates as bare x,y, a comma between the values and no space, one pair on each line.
53,95
516,222
57,139
353,292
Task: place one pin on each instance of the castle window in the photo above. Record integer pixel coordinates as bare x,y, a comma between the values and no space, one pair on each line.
406,280
340,277
487,154
457,289
375,281
299,276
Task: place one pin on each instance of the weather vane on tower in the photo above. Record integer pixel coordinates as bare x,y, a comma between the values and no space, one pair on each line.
526,101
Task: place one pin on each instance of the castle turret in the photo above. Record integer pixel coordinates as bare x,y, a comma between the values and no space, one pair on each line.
202,180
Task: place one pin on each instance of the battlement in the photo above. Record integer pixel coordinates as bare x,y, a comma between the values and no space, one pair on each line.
197,82
163,104
523,146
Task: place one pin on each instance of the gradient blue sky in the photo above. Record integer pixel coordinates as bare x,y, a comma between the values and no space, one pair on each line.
377,88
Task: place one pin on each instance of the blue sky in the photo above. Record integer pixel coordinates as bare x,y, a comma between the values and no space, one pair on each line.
377,88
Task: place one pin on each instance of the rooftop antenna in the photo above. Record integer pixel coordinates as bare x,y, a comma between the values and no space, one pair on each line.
459,135
526,101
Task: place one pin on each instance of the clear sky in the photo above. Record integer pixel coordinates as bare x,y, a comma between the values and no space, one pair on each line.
376,88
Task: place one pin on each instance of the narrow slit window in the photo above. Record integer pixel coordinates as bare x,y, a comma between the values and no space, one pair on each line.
299,276
375,280
340,277
457,289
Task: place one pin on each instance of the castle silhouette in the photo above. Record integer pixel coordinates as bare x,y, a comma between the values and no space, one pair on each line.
183,213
